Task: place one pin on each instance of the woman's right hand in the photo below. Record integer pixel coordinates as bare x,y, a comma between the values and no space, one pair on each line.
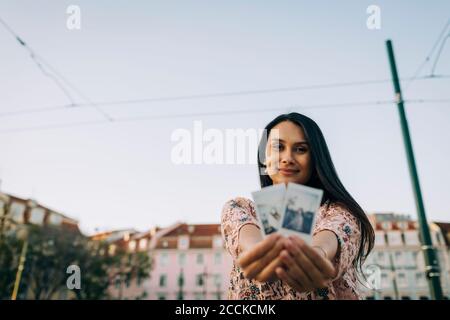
260,261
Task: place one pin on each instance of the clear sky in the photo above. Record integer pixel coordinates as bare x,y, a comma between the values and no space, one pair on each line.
120,174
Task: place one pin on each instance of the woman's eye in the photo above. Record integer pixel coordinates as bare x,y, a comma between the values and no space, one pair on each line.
277,146
301,150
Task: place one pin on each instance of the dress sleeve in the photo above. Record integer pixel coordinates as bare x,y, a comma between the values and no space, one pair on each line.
236,213
343,224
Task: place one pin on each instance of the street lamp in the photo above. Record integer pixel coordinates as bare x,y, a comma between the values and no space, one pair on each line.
23,235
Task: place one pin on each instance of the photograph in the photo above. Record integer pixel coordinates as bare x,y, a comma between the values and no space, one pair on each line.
269,206
301,204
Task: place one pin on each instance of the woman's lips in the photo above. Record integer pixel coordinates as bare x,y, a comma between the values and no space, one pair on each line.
287,172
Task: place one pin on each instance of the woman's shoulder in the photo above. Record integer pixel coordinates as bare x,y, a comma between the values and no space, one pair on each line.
240,203
337,210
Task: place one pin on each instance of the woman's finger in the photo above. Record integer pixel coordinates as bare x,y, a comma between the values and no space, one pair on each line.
304,263
268,272
322,263
258,251
293,270
252,270
285,277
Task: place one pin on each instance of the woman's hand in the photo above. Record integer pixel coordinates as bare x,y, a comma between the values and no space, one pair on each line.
262,259
305,268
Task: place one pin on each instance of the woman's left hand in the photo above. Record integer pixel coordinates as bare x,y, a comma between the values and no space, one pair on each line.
305,268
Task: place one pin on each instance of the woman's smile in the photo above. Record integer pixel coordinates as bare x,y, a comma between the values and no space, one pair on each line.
288,172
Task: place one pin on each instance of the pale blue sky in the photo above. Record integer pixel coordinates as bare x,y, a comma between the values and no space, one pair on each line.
119,175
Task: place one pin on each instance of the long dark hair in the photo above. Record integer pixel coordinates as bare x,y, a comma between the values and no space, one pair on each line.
324,176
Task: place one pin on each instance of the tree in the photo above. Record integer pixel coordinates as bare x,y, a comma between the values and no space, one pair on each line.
9,258
51,250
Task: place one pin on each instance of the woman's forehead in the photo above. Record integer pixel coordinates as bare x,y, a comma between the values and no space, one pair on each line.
288,132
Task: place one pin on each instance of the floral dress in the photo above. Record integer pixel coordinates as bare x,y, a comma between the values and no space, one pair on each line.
239,212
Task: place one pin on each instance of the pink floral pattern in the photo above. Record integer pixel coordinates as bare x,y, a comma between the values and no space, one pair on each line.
239,212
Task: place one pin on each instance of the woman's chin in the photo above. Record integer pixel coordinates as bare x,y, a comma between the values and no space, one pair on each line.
286,180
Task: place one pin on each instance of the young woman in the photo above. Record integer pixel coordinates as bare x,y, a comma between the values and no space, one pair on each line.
278,267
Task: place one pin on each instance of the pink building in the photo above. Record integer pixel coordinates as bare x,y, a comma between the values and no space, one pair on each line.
189,262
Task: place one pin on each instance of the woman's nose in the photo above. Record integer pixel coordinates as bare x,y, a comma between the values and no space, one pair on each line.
286,157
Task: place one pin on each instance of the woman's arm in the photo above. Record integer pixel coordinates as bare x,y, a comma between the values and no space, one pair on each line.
326,243
249,235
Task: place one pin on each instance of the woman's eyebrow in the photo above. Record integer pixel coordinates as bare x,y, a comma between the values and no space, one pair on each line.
298,142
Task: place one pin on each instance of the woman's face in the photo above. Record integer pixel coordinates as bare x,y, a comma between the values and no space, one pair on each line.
288,157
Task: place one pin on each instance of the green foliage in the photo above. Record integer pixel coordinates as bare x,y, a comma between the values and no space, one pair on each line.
51,250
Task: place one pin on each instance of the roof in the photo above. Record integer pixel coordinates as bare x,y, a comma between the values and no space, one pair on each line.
445,227
201,236
207,230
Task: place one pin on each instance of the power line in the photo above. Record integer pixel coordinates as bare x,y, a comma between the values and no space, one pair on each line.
428,57
39,61
209,95
439,53
220,113
36,61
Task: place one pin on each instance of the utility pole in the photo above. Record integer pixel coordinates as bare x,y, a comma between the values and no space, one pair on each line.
432,266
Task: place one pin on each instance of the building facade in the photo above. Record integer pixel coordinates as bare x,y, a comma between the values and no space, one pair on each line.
400,259
189,262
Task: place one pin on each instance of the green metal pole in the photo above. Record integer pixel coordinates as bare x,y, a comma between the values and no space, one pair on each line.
432,265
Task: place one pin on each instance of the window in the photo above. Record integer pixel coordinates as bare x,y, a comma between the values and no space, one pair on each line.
379,239
199,296
183,242
199,280
420,279
163,280
37,216
161,296
55,219
217,279
16,211
411,237
132,245
394,238
218,258
399,258
182,259
401,277
217,242
199,258
164,259
143,244
385,280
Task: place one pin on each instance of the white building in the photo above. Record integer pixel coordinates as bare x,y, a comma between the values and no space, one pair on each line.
398,254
